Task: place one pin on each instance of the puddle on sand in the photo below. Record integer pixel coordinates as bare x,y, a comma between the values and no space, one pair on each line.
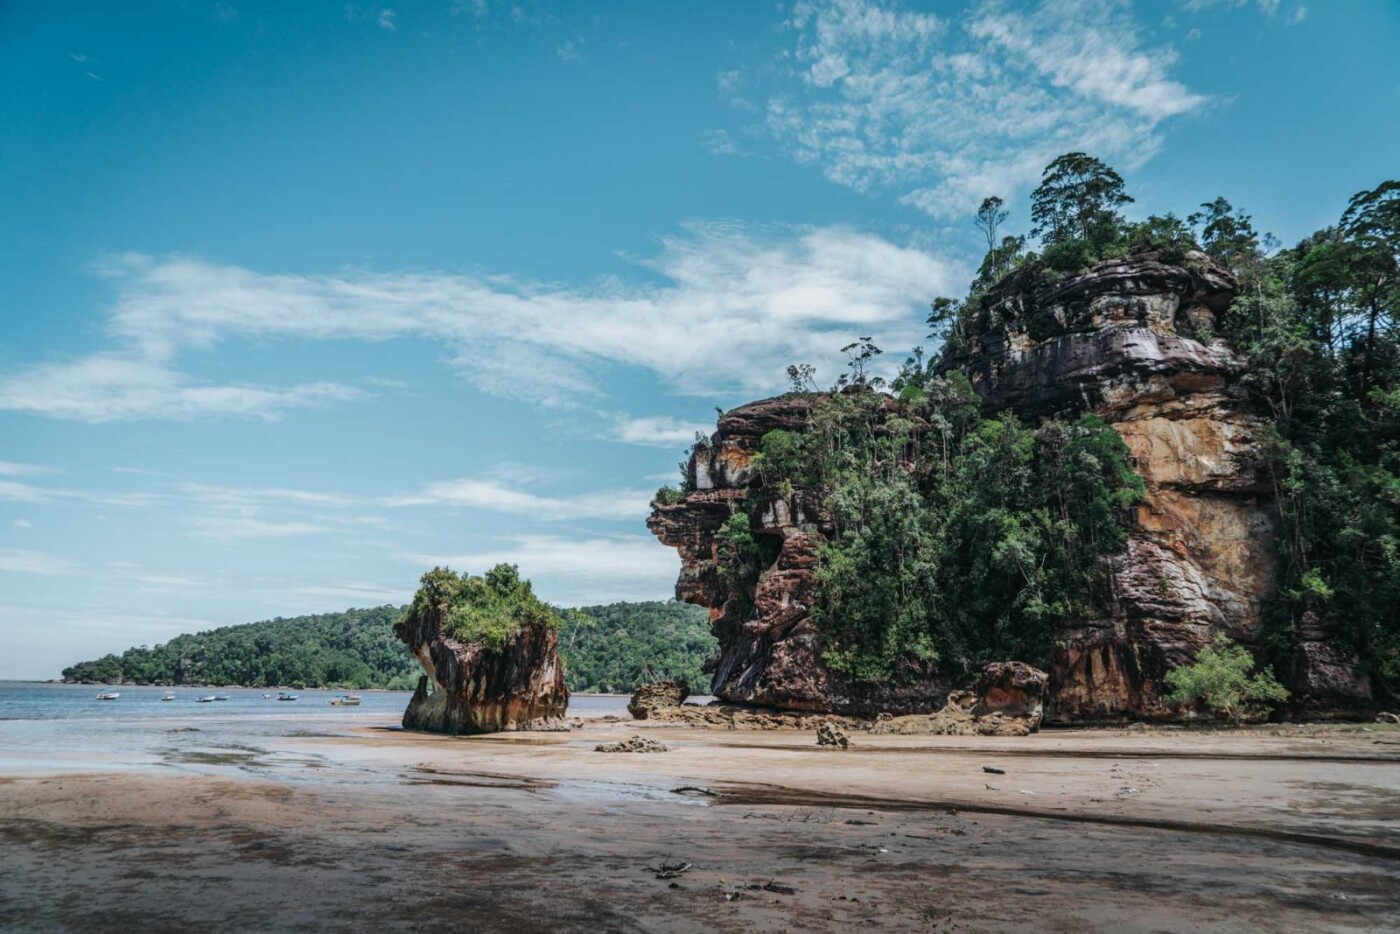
234,755
569,789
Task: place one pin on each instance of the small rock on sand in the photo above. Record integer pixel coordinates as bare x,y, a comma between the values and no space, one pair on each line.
632,744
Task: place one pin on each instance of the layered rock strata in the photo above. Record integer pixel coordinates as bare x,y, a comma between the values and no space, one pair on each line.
475,688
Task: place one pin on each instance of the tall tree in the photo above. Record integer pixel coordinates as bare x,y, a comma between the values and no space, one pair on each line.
1227,234
989,217
1078,198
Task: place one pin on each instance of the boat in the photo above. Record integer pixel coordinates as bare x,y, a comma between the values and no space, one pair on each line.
108,695
286,695
346,700
206,699
220,697
168,696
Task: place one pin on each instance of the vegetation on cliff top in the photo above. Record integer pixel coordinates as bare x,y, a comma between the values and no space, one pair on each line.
486,609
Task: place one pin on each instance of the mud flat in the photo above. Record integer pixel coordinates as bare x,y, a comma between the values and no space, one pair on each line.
368,827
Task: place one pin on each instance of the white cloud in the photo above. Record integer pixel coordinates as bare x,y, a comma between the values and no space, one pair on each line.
572,572
734,306
388,19
108,386
247,527
30,493
16,469
22,561
662,431
886,98
498,497
22,523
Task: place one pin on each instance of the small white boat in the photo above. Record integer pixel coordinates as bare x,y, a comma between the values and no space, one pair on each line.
206,699
168,696
346,700
286,695
220,697
108,695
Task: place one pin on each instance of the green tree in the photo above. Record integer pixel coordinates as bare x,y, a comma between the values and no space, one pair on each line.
1078,199
1223,678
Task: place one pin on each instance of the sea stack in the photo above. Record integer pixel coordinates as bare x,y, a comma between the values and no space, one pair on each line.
490,651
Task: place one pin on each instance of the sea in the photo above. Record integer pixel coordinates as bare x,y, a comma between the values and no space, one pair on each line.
64,727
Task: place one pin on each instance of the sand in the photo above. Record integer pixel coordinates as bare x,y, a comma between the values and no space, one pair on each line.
370,828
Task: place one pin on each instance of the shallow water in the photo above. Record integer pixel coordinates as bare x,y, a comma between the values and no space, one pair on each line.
63,726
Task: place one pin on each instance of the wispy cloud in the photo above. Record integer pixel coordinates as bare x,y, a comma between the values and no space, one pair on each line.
574,571
498,497
16,469
109,386
660,431
570,50
883,98
22,561
735,304
388,19
247,527
22,523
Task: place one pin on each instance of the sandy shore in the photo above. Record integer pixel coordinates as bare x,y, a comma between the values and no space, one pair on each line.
372,828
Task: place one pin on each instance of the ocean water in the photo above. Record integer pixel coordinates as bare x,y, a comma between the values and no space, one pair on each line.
63,727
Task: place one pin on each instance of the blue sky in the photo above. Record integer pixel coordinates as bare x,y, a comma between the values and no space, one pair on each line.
302,298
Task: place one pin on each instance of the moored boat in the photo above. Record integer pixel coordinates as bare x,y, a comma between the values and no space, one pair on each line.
286,695
206,699
346,700
108,695
168,696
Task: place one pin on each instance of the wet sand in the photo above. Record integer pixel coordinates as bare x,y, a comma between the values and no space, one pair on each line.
368,827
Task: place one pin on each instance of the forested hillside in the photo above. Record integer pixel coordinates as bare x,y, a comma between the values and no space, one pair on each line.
605,648
353,649
621,645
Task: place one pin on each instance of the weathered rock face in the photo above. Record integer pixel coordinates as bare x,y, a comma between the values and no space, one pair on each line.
1128,340
473,688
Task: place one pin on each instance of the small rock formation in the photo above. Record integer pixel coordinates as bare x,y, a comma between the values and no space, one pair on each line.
1129,340
829,734
474,688
657,696
1013,690
1007,700
632,744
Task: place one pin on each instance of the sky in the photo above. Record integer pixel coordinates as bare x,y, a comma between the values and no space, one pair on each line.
299,299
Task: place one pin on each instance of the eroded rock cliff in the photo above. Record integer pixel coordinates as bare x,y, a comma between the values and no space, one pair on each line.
478,688
1129,340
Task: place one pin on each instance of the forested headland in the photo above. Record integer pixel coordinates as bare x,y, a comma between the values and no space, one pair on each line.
605,648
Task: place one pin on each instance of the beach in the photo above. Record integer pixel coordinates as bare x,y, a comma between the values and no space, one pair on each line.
301,821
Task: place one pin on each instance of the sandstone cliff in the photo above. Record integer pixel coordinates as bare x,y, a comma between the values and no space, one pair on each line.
477,688
1129,340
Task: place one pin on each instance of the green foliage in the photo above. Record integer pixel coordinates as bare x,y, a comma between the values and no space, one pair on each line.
618,647
488,609
1069,255
1316,325
667,495
1166,234
1221,678
353,649
954,544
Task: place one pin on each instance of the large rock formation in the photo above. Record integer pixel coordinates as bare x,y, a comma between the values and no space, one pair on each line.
768,653
1129,340
475,688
